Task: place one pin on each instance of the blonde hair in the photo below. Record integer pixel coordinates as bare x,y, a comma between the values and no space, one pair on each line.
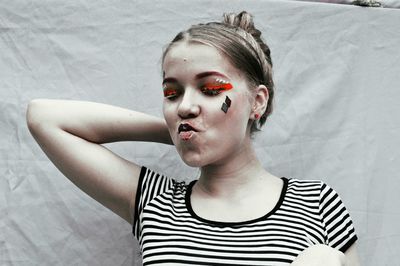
238,39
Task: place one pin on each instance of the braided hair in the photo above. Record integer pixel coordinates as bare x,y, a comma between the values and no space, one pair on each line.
237,38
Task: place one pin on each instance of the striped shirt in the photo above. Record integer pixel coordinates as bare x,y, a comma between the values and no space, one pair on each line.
170,233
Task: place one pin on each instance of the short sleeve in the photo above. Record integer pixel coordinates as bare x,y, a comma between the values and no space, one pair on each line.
150,185
339,229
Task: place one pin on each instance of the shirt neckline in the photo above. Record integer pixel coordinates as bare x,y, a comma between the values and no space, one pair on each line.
219,223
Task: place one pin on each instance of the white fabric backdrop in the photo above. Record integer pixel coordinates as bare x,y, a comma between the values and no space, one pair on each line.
335,119
383,3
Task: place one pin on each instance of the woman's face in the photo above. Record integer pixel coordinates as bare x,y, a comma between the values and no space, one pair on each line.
206,104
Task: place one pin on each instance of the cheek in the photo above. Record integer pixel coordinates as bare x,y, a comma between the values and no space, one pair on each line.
239,109
236,117
169,114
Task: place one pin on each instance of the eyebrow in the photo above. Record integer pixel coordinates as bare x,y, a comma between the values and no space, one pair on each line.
198,76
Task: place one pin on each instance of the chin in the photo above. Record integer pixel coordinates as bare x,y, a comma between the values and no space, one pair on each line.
192,162
193,159
198,161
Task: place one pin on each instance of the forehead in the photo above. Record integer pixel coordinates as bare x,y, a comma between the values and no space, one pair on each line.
188,59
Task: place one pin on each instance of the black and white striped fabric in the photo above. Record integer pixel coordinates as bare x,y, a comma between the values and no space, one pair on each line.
170,233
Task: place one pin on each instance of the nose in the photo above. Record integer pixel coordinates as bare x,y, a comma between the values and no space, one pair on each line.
188,107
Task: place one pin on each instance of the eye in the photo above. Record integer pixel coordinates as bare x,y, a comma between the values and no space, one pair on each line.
170,94
212,90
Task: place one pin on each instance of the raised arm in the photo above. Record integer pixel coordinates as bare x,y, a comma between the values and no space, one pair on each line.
71,134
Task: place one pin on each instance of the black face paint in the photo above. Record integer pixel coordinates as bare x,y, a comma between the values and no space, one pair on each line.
225,106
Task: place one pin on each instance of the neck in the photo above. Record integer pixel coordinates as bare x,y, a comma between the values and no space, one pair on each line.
233,176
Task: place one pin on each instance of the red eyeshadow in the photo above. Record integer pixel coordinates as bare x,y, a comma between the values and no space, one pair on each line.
222,87
169,92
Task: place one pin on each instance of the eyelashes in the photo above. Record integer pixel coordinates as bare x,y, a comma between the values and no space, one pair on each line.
210,89
170,93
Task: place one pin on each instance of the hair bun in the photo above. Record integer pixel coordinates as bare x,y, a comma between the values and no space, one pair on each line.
243,20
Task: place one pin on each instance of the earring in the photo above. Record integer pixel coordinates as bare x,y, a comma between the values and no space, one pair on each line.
256,116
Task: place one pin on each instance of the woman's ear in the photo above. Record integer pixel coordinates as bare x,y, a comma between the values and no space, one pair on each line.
260,102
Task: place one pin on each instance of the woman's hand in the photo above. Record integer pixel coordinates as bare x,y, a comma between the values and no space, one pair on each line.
320,255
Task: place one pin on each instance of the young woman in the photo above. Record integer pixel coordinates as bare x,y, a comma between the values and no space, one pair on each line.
218,90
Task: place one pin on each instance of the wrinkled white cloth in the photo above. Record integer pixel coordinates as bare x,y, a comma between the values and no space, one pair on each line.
381,3
335,119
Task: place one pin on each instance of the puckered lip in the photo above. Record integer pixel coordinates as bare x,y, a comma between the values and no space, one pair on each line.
186,126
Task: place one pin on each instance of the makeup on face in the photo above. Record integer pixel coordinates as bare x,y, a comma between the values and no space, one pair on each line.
212,88
217,87
170,93
186,131
225,105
